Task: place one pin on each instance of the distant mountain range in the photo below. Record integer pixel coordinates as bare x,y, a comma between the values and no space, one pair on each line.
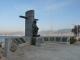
45,32
61,31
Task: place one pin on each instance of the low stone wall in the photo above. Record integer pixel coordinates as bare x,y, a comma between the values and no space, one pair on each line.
57,39
13,46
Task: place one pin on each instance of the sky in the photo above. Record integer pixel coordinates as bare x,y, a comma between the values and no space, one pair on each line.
60,14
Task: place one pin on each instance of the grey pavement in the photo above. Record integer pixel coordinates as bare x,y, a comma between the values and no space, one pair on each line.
51,51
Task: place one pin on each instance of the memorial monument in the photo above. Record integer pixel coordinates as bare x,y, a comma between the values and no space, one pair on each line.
13,46
31,28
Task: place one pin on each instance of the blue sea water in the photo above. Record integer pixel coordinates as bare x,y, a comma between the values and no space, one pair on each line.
2,38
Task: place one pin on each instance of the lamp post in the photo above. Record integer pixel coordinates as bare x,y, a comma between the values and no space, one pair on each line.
51,24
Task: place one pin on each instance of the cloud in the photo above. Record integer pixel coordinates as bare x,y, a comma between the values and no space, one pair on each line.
57,5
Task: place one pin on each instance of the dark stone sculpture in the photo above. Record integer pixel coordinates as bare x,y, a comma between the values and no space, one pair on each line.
23,17
35,29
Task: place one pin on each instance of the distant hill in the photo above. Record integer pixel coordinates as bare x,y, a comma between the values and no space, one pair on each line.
61,31
46,32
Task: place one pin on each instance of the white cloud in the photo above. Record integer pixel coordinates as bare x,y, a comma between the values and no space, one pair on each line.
57,5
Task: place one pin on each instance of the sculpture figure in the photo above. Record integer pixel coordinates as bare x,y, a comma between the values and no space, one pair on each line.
35,29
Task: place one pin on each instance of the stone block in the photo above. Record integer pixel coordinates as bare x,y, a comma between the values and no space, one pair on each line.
33,41
38,41
11,49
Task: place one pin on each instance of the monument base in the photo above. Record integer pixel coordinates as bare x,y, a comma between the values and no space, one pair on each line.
33,41
37,41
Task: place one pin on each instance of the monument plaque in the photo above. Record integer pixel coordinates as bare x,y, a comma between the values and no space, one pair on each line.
22,40
13,48
64,39
58,39
51,38
18,40
46,39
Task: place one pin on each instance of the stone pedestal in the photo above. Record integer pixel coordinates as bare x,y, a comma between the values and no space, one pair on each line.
37,41
11,49
33,41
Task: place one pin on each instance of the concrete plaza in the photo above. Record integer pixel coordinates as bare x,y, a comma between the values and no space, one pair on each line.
51,51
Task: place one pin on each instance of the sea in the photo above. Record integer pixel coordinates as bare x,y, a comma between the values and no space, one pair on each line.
2,38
